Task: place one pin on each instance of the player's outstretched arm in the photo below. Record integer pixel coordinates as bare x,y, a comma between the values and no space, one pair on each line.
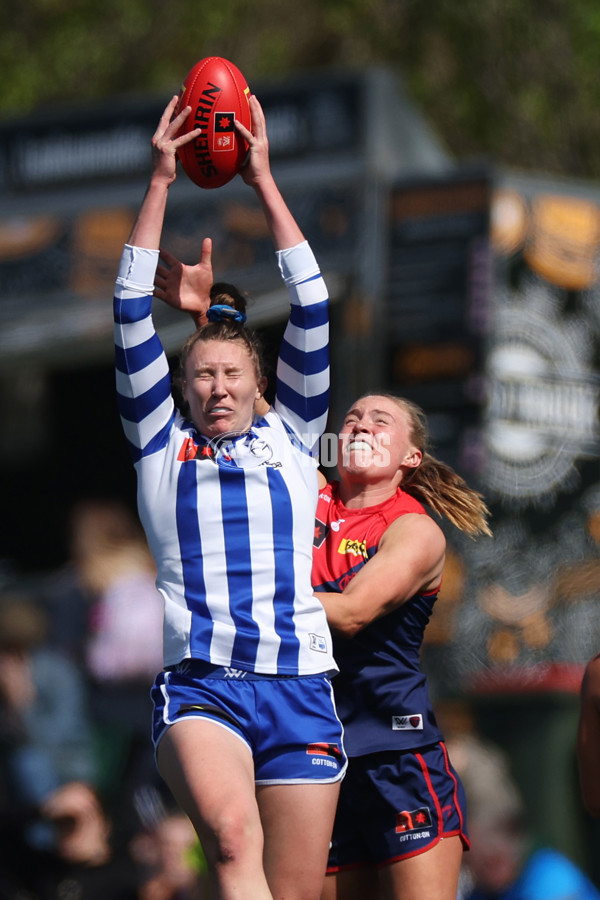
284,229
148,225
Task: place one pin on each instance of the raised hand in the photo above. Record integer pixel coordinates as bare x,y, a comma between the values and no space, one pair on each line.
284,230
257,166
186,287
167,140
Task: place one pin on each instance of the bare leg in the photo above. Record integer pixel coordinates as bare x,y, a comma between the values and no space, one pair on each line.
298,822
355,884
210,772
432,875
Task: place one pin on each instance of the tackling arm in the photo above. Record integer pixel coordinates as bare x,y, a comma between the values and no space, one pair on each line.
409,559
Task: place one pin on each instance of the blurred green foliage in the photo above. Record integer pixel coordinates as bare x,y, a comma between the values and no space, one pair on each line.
513,81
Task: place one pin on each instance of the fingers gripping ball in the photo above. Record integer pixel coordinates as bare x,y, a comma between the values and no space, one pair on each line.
218,94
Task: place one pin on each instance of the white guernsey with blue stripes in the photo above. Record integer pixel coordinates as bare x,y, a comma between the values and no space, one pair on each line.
231,524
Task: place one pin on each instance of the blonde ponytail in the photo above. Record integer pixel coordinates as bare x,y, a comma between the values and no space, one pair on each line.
437,485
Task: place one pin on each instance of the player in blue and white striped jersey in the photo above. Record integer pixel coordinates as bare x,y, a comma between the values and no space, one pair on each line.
245,727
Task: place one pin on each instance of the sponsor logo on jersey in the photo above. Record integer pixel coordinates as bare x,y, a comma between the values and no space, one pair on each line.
353,547
325,497
191,450
407,723
188,450
415,820
224,131
325,750
249,453
318,643
335,526
321,532
261,449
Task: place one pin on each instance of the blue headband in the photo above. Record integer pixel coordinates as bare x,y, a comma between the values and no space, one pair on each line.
220,312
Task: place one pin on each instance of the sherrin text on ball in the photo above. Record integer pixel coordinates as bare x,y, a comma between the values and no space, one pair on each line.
218,94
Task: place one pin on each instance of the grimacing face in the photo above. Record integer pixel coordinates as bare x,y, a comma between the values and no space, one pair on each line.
220,387
374,441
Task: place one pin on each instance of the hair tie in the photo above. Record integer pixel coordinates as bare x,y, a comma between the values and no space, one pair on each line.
220,312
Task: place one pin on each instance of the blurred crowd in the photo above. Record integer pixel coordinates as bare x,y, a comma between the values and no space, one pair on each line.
83,812
507,860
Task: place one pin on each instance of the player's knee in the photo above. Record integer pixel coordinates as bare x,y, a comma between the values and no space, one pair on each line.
234,839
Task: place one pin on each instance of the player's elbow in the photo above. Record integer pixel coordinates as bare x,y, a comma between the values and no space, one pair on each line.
345,618
351,625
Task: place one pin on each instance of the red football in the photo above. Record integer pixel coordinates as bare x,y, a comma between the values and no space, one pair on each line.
218,94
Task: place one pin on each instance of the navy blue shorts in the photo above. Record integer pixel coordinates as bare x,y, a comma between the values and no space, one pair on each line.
289,724
394,805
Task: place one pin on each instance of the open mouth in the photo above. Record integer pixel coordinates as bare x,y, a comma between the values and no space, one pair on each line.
359,445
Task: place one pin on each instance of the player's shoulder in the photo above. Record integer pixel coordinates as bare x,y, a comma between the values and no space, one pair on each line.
401,504
414,526
404,503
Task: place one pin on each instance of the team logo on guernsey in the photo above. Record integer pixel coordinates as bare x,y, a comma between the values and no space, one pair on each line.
353,547
224,131
321,532
407,723
415,820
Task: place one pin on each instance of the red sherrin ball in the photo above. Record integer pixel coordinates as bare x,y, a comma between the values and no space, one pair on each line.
218,94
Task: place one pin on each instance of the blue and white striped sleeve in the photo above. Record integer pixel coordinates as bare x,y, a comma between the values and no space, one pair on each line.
302,394
143,379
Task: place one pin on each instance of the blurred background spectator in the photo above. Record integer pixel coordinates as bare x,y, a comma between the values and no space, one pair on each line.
100,600
168,852
82,863
505,861
45,729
